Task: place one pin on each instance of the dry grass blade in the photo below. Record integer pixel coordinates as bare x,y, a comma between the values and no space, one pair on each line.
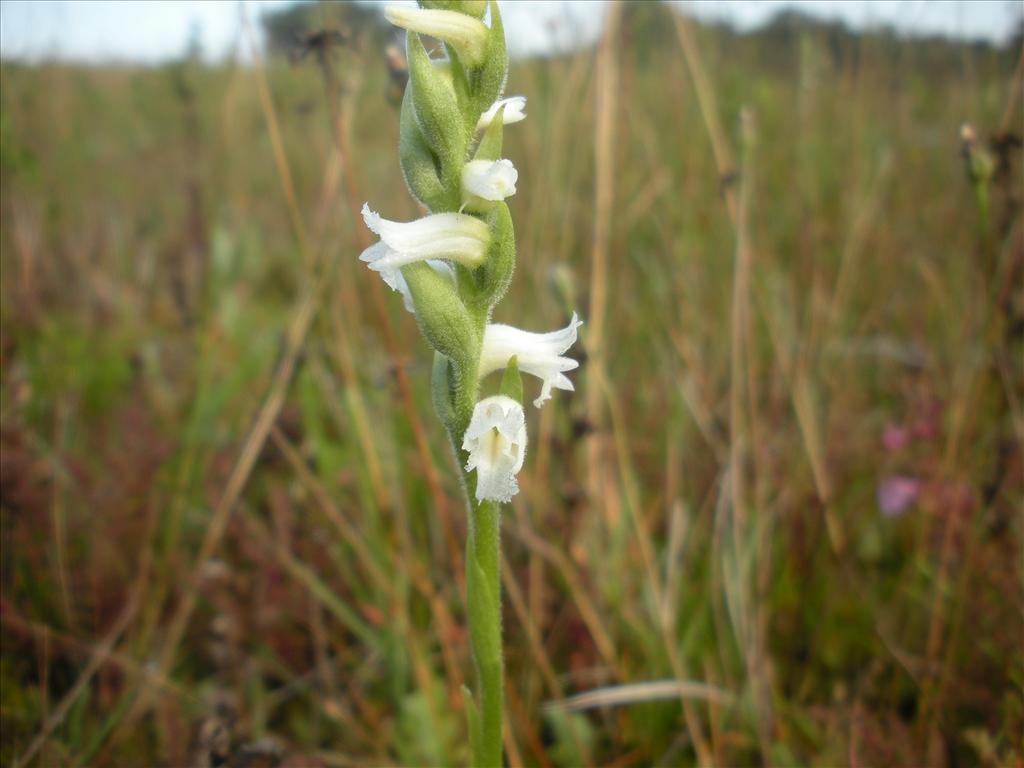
1016,93
606,84
708,110
640,693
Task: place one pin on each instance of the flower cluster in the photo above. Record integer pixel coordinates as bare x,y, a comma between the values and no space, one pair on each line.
453,265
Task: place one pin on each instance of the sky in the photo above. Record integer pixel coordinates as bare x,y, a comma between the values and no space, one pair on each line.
152,31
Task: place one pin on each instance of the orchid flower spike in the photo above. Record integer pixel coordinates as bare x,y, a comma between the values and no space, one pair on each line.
496,442
514,106
468,36
490,180
539,354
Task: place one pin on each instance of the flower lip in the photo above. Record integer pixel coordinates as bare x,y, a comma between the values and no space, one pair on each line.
514,106
539,354
490,180
496,441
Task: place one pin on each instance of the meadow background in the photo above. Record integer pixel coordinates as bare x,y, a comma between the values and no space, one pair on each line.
778,523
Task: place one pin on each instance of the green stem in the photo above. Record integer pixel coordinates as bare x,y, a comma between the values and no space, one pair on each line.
483,604
454,400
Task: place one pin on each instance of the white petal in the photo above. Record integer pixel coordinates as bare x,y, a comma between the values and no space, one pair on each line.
398,283
376,257
514,106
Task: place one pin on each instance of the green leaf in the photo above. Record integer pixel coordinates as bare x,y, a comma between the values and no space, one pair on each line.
490,143
484,287
512,381
443,318
460,84
441,389
437,113
501,256
473,721
420,166
489,79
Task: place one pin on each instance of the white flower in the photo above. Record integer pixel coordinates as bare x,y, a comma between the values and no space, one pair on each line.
514,106
467,35
491,180
538,354
496,442
452,236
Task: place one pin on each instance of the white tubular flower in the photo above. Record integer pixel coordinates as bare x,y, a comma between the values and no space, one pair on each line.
450,236
453,236
491,180
496,441
538,354
514,106
464,33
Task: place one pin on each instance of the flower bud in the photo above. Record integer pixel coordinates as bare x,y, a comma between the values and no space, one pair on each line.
467,35
489,180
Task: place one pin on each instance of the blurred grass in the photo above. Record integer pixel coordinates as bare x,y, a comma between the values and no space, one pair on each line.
715,520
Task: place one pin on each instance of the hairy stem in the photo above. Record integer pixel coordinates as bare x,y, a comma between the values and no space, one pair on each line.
483,598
